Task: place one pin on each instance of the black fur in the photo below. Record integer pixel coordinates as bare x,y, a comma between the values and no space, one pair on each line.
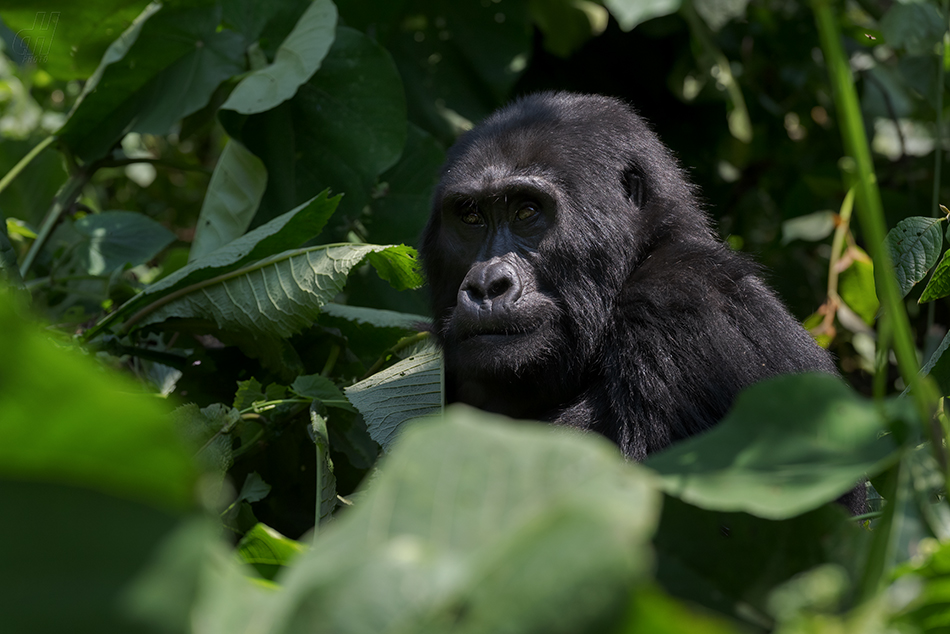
615,308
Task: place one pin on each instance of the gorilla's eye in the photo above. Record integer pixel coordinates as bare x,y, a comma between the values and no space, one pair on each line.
526,211
470,217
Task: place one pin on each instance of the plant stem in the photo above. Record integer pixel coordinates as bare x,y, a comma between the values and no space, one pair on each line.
65,197
871,211
23,162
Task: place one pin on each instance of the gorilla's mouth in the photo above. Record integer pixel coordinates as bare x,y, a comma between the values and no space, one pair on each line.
490,335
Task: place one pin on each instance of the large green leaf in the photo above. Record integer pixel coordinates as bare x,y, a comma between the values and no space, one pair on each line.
451,77
476,524
68,38
409,389
162,68
284,232
731,562
916,27
233,195
112,239
66,421
280,295
401,205
789,445
336,132
297,59
914,245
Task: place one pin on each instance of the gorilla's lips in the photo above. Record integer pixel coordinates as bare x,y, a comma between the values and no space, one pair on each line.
464,327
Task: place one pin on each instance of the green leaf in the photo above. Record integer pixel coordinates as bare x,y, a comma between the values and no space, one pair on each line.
248,393
117,537
254,489
67,39
939,285
335,132
716,13
9,269
401,204
113,239
326,481
789,444
286,231
914,245
567,24
916,27
165,66
66,420
657,613
938,366
208,429
451,77
376,316
856,286
495,526
267,550
234,194
630,13
280,295
812,227
194,578
731,562
321,389
409,389
297,59
929,574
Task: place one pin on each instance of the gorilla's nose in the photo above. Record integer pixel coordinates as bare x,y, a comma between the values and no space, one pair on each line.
489,286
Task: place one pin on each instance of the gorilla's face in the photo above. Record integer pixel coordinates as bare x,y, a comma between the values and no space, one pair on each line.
497,315
542,213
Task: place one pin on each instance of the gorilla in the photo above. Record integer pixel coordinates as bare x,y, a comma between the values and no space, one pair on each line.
576,279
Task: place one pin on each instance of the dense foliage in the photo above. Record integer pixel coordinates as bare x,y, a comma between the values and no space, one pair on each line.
212,323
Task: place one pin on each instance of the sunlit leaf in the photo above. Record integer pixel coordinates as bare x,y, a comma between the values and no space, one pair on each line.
630,13
914,245
409,389
233,195
280,295
335,132
297,59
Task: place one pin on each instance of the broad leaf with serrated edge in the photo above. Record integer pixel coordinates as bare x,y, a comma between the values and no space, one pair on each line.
409,389
914,245
287,231
280,295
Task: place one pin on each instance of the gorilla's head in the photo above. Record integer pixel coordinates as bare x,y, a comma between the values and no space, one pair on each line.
543,212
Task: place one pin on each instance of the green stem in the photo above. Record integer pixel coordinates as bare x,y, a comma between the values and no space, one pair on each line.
65,197
26,160
871,211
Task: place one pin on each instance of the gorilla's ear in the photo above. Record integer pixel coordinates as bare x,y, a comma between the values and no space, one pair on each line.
633,184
